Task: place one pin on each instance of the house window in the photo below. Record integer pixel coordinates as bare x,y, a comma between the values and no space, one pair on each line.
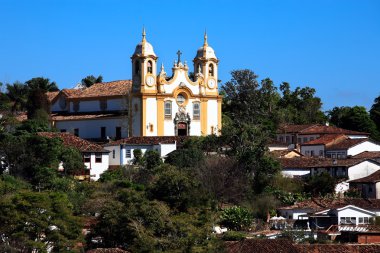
63,130
86,158
118,133
150,68
369,189
304,139
211,69
281,139
76,106
137,68
98,158
76,131
103,105
312,153
364,220
321,153
62,103
168,109
128,153
347,220
103,132
196,110
113,154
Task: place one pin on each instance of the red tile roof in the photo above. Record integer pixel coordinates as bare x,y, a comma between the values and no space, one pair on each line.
283,153
346,144
316,129
326,139
107,250
106,89
51,95
320,204
290,128
337,248
368,154
71,140
314,162
261,245
149,140
373,178
96,115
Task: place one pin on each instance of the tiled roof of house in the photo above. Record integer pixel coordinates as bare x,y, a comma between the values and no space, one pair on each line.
107,250
80,116
319,204
51,95
368,154
373,178
346,144
261,245
316,129
314,162
284,153
148,140
106,89
71,140
327,139
338,248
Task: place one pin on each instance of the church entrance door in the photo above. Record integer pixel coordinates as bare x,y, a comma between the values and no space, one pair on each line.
182,129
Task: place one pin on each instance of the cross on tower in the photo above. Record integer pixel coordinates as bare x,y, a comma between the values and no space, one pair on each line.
179,56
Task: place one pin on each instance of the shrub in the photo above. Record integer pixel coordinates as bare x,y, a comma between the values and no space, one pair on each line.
233,236
236,218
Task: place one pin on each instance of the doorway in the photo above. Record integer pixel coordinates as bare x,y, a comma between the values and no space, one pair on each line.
182,129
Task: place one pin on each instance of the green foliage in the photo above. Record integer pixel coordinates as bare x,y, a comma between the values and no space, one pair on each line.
320,185
233,236
375,112
40,83
236,218
72,160
353,193
152,159
354,118
185,158
90,80
137,154
18,94
111,175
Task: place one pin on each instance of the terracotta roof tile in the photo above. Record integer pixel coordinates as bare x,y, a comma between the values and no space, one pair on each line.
320,204
93,115
106,89
373,178
107,250
326,139
290,128
71,140
314,162
338,248
51,95
261,245
322,129
368,154
284,153
346,144
149,140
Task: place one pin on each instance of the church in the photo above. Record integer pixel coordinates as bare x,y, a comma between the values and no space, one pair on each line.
151,104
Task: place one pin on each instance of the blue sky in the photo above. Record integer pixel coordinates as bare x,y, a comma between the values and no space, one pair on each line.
331,45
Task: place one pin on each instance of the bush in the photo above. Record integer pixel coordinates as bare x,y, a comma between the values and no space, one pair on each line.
233,236
236,218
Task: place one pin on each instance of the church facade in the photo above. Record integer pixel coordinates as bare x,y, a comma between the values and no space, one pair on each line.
151,104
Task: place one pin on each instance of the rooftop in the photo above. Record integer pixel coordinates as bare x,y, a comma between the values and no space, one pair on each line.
319,162
316,129
327,139
71,140
368,154
373,178
149,140
346,144
261,245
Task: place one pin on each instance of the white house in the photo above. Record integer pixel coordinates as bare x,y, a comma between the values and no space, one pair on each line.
368,186
121,151
95,157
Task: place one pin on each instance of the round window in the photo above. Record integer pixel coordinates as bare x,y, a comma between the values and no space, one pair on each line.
181,99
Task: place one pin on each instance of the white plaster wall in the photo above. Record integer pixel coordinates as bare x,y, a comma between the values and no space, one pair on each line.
365,146
295,172
151,116
308,136
315,148
167,148
212,116
169,127
273,148
357,136
91,128
195,128
181,78
143,148
294,214
351,212
55,107
98,168
112,160
136,116
117,104
362,169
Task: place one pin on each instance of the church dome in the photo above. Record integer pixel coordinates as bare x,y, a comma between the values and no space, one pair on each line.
206,52
148,49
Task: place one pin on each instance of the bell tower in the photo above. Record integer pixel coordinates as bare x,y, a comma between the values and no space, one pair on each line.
144,67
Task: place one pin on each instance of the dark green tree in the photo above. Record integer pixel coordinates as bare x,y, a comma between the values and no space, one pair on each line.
90,80
18,95
320,185
375,112
40,83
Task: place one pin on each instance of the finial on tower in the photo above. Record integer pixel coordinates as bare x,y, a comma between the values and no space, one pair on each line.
205,39
162,68
143,34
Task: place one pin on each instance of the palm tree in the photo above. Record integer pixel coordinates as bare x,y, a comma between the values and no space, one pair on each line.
90,80
42,83
18,94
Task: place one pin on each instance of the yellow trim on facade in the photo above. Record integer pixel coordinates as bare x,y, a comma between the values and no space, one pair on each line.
143,116
160,117
204,116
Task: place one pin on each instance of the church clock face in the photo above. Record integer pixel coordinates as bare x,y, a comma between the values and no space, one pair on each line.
149,80
211,83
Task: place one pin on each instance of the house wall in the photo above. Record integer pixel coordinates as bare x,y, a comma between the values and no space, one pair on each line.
212,117
97,168
289,172
294,213
365,146
113,104
136,116
89,129
307,137
317,150
151,117
362,169
352,212
286,138
114,160
338,154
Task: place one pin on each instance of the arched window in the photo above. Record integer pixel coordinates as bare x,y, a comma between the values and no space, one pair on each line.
211,69
137,68
150,68
168,109
199,68
196,110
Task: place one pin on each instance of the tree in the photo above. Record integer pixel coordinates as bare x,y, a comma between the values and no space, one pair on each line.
90,80
236,218
18,95
375,112
152,159
40,83
320,185
354,118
